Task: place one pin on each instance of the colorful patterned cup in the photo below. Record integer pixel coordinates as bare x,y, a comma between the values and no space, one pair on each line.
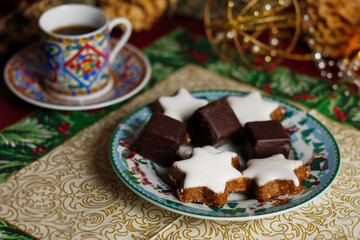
78,65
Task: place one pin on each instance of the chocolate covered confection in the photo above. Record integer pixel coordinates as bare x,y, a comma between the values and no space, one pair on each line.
160,139
212,123
264,139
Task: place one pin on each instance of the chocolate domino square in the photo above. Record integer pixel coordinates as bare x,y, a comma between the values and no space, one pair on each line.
212,123
265,138
160,139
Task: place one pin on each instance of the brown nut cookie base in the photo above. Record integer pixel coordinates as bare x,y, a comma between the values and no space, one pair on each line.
204,194
207,196
277,114
277,187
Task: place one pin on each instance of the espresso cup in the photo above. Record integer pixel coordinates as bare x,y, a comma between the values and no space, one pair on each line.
77,51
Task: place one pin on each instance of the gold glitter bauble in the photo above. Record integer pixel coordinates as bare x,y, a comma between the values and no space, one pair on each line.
266,29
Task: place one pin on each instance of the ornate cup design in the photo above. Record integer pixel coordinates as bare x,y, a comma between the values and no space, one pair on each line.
78,65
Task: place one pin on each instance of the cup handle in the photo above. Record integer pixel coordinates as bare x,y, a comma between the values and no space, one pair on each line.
124,38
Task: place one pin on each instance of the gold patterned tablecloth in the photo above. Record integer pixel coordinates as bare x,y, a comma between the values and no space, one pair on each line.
74,193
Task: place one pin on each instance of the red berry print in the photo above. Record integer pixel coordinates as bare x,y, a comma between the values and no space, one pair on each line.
65,113
336,111
201,57
311,97
296,97
271,68
304,97
258,62
332,95
341,116
267,88
38,150
63,128
95,111
65,125
41,149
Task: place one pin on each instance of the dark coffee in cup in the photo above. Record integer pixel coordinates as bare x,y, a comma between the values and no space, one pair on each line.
74,30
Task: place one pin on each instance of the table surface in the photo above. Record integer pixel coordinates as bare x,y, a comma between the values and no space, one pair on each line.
23,162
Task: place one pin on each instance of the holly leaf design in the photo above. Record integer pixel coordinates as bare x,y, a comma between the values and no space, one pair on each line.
9,232
28,132
23,154
342,107
160,71
8,167
228,70
168,50
289,82
354,114
256,78
163,48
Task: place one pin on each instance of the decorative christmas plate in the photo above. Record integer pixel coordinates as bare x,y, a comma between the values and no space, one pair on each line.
23,75
311,142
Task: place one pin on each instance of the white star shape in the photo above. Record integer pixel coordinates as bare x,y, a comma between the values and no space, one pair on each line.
208,168
181,105
263,170
251,107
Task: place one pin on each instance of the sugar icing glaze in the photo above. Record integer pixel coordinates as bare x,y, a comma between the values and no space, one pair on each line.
208,167
185,151
181,105
271,168
251,107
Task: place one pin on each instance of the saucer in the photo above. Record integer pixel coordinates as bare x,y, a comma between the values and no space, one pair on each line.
23,75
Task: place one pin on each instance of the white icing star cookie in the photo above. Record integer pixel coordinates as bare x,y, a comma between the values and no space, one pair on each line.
251,107
181,105
208,168
276,167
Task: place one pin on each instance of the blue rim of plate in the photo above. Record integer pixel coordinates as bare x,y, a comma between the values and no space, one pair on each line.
324,167
23,75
